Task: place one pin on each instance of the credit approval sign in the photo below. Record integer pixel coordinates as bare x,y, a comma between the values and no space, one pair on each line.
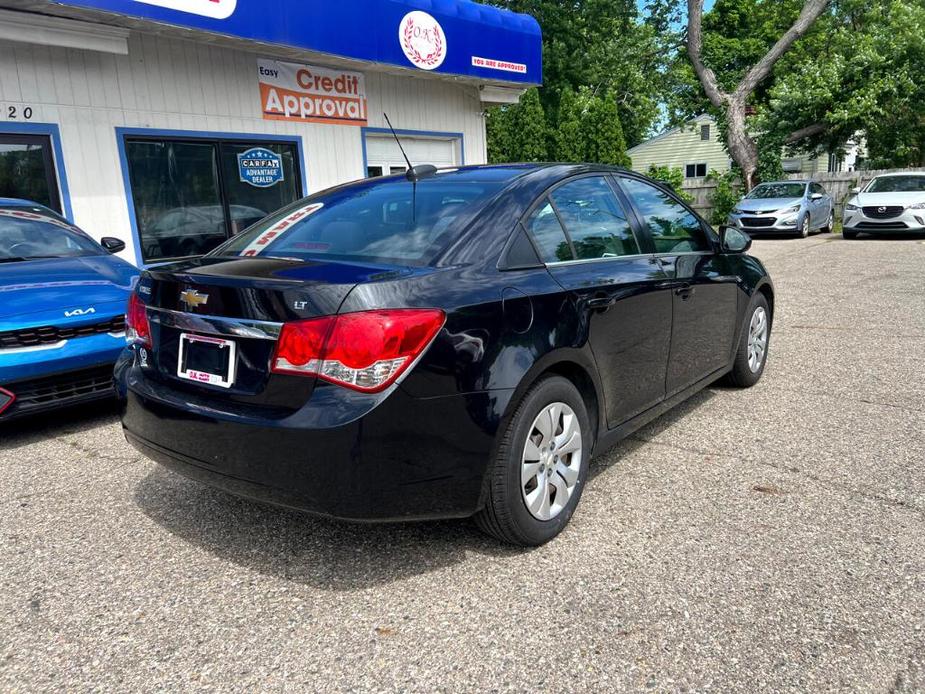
311,94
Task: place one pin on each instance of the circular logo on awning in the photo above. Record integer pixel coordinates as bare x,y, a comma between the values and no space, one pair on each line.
422,39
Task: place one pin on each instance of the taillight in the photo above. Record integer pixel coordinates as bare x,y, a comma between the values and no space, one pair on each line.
137,328
366,351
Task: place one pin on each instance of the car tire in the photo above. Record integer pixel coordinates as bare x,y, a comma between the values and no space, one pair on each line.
507,513
804,227
849,235
745,371
830,224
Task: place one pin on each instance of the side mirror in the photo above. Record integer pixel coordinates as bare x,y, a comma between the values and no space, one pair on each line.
856,190
816,196
731,240
112,244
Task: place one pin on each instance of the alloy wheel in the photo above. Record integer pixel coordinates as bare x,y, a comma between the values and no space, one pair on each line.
804,232
757,339
551,461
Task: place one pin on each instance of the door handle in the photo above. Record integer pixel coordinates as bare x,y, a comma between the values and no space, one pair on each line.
684,292
601,302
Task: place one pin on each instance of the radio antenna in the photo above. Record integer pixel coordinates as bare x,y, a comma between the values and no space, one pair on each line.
397,141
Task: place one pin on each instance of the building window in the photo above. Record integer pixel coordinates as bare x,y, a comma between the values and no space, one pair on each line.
695,170
27,170
190,195
705,133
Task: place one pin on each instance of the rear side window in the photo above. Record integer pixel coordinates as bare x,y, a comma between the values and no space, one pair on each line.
594,219
673,227
544,227
389,221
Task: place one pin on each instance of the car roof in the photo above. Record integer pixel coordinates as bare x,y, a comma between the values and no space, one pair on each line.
774,183
901,173
19,202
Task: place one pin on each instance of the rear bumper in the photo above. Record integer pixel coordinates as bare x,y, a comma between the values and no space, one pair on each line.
406,458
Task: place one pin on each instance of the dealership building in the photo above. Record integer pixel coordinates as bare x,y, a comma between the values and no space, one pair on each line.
173,124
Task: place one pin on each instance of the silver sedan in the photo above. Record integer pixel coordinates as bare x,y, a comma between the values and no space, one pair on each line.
785,207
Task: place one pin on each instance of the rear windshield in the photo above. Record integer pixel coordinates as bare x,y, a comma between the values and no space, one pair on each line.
28,233
386,221
897,184
767,191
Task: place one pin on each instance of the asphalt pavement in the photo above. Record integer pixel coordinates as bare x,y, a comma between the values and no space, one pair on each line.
770,539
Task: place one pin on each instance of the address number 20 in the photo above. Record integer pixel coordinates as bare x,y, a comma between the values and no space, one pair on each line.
15,113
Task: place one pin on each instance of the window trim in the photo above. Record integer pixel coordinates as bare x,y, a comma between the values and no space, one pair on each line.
704,164
708,137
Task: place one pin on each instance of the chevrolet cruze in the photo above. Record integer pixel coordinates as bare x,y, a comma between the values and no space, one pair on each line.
440,344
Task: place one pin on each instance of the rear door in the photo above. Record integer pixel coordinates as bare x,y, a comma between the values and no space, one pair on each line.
593,250
704,290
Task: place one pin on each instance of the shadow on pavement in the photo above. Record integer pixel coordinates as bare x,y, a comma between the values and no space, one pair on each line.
604,459
293,546
69,420
325,553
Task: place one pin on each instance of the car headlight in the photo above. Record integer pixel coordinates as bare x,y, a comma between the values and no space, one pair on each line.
917,206
791,209
851,208
736,210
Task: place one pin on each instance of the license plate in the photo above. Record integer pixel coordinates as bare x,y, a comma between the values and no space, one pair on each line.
206,359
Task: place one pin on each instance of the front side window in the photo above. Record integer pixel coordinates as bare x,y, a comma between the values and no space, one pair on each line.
389,221
594,219
674,228
25,235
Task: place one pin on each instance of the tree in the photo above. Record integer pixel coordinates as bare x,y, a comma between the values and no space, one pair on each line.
733,102
567,136
517,132
601,131
869,81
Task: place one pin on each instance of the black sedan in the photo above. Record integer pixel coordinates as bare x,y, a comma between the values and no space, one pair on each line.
440,344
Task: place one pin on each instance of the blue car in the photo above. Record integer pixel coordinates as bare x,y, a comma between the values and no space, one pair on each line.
62,310
785,207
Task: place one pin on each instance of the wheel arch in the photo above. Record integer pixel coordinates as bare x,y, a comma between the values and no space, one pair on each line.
576,367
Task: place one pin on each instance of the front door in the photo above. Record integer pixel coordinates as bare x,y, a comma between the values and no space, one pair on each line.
704,292
593,251
27,170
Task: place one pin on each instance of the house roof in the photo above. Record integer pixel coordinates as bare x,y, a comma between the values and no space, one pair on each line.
696,119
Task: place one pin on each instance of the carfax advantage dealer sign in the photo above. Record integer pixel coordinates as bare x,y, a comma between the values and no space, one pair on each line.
315,94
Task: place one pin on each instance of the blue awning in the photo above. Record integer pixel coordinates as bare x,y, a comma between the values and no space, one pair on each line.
454,37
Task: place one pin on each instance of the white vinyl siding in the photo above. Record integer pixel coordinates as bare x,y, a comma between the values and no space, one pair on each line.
172,84
681,147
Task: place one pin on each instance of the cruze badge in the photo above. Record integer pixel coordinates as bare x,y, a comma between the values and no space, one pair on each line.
79,312
192,298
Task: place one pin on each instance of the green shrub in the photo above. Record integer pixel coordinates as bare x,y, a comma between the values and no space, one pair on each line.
725,196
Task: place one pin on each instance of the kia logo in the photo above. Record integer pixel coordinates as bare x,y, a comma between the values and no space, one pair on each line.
79,312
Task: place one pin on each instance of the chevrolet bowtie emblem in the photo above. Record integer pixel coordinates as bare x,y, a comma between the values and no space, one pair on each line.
192,298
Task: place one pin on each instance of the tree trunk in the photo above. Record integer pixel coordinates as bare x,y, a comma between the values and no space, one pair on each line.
742,148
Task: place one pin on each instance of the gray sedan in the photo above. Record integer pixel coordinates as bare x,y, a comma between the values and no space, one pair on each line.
785,207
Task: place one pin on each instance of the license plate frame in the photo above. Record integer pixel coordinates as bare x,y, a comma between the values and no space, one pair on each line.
203,376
